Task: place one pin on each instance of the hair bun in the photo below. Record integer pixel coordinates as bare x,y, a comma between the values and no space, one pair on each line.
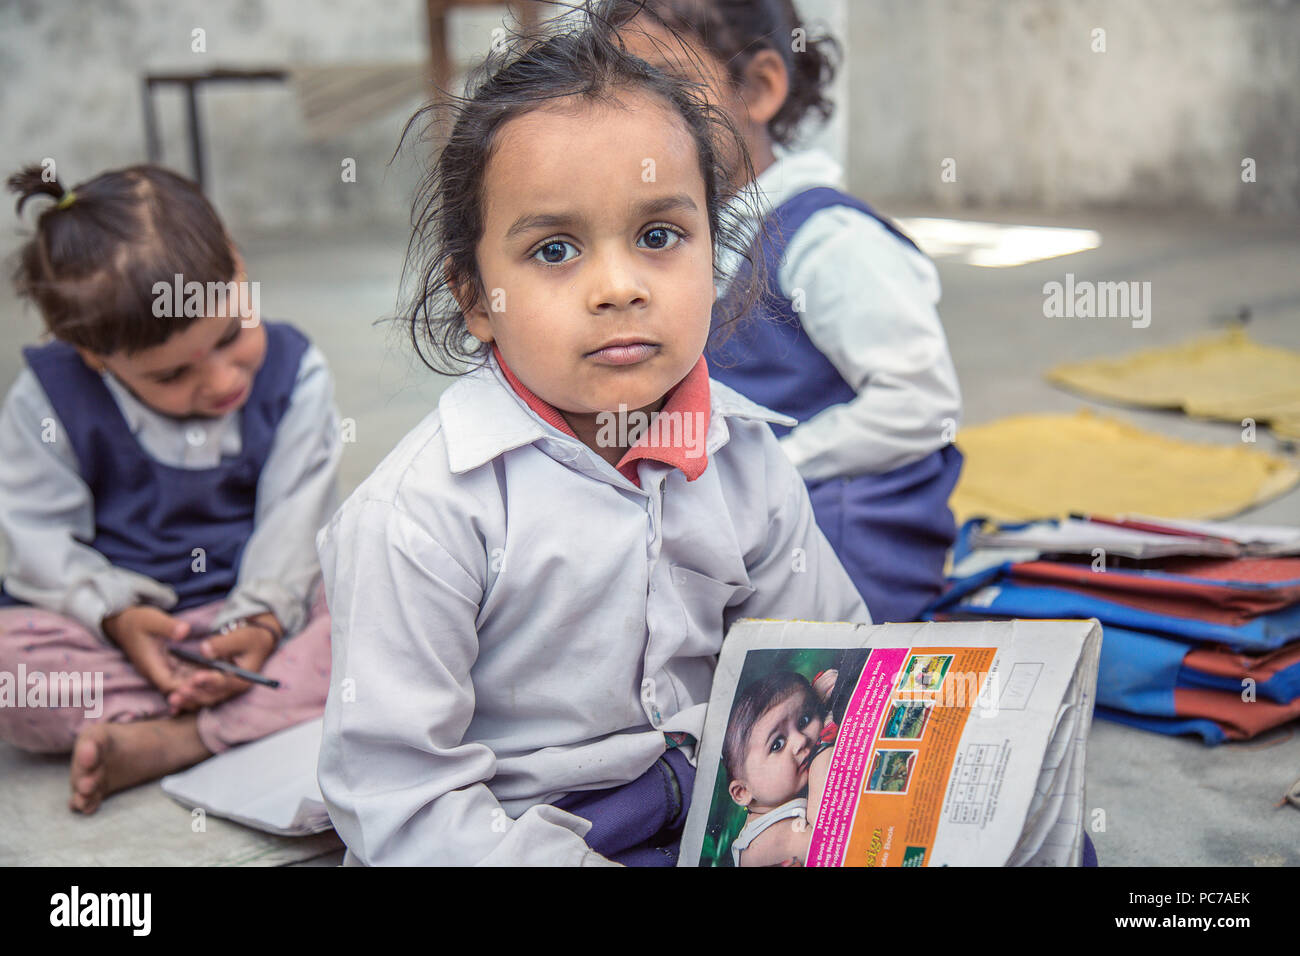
31,182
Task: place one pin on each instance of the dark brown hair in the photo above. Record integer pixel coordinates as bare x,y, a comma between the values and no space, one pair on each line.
760,696
734,30
96,255
524,72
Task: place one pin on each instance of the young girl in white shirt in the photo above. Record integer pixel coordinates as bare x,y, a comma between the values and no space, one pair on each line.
846,339
165,462
527,600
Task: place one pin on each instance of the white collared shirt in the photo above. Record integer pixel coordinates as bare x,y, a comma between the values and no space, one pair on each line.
513,620
48,510
870,309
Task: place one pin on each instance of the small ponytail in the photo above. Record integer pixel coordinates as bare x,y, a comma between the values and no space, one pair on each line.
99,249
31,181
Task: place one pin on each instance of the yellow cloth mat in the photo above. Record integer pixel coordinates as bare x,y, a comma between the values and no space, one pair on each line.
1225,376
1048,465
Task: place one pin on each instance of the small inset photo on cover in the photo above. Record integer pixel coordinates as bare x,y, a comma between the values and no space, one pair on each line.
906,720
891,771
924,672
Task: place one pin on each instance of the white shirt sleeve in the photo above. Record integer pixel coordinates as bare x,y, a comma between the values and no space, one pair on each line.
870,308
401,784
297,492
48,517
797,575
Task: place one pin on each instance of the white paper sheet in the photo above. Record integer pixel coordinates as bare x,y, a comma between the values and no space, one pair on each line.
268,785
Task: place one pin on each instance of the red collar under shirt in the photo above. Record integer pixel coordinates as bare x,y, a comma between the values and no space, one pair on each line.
688,398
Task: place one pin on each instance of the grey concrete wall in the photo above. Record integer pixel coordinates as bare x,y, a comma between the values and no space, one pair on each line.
1009,89
71,91
1013,91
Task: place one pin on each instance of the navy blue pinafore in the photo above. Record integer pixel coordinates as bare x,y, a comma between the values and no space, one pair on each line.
152,518
891,531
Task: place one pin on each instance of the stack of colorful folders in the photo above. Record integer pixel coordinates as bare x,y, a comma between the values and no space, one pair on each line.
1201,620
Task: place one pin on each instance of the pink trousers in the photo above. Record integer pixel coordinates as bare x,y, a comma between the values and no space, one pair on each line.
48,643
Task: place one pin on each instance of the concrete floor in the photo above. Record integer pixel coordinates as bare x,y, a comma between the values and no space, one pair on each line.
1166,801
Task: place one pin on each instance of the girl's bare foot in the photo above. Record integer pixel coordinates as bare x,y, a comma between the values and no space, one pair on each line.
111,757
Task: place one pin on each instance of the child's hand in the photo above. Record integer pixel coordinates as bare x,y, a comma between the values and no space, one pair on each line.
799,842
824,683
817,774
248,647
143,633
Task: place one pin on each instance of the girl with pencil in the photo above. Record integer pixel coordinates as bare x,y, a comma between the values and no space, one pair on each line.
163,465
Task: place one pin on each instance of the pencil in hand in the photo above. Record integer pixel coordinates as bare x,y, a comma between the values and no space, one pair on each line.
194,657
